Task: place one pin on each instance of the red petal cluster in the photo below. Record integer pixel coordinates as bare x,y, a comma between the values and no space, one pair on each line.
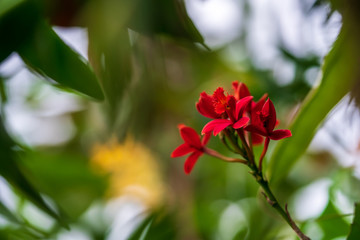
237,110
234,112
264,121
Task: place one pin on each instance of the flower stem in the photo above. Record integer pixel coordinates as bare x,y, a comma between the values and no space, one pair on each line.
214,153
266,145
274,202
249,152
258,174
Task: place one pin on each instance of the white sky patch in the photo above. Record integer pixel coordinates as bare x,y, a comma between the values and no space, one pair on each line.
75,233
310,201
218,20
75,37
45,123
11,65
288,17
36,131
283,71
7,196
262,35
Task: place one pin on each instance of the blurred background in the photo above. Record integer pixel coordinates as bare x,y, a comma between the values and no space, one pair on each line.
92,92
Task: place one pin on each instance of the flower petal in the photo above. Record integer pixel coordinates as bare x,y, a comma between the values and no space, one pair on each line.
280,134
219,128
190,161
240,90
190,136
231,106
205,106
216,126
220,100
182,150
206,139
256,129
268,110
241,123
256,138
241,105
257,106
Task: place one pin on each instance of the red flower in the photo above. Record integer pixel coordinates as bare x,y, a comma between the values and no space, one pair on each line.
221,102
192,144
264,123
255,108
240,90
235,111
214,106
205,106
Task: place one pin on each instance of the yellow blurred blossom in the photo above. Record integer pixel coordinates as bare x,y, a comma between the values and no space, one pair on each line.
132,170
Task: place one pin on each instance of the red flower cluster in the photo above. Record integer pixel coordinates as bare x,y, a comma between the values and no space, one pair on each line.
237,111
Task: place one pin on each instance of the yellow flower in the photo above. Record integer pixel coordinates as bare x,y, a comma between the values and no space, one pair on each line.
133,170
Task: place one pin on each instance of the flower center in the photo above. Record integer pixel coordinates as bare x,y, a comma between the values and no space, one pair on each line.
220,101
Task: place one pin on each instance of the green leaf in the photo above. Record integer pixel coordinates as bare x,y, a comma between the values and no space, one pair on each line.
66,178
11,171
3,94
164,17
340,70
17,21
143,230
158,225
50,57
111,58
355,226
19,233
8,214
330,218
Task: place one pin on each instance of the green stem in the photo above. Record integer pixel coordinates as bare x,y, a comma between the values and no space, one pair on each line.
257,173
249,151
234,143
274,202
214,153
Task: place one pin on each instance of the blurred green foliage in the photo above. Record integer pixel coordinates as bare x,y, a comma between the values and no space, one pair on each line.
355,227
146,65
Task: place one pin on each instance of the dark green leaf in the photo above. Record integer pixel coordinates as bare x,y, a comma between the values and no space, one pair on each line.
67,179
158,225
164,17
11,171
49,56
355,226
111,58
3,95
17,21
8,214
18,233
142,230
